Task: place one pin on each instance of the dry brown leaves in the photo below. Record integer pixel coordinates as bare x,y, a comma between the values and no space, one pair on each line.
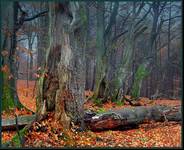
26,94
49,133
147,135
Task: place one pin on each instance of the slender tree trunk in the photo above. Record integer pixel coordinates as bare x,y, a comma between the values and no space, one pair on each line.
31,68
27,76
147,65
42,36
100,52
90,56
170,74
114,88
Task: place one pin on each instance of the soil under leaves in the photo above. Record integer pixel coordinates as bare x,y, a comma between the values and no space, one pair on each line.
48,133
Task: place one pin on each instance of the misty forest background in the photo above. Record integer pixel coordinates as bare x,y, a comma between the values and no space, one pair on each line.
119,35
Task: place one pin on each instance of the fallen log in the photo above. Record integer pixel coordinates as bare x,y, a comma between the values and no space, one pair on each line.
132,116
114,118
22,121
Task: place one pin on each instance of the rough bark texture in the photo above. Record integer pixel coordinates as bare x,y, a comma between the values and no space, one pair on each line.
64,87
132,116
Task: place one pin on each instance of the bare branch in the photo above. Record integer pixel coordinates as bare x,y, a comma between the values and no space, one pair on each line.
165,44
172,18
37,15
21,39
125,20
112,18
20,8
140,31
140,8
119,35
146,14
162,7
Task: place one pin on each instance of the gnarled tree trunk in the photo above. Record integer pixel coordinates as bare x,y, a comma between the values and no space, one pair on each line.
64,85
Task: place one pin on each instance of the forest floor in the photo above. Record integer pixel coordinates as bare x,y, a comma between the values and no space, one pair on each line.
51,134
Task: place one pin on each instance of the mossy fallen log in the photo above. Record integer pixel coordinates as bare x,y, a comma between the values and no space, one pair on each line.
22,121
132,116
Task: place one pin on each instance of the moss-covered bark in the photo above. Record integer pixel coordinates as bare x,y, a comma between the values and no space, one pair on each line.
8,44
7,99
140,75
114,87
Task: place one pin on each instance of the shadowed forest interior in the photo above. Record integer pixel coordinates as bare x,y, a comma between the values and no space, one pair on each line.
91,73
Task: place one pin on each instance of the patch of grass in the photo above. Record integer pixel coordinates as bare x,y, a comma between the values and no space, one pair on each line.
119,103
100,110
114,100
144,139
15,140
97,102
7,100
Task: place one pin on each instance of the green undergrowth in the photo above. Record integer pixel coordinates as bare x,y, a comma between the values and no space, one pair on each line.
7,100
119,103
97,101
16,140
100,111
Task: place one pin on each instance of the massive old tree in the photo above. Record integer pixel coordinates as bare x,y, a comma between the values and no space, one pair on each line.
62,82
